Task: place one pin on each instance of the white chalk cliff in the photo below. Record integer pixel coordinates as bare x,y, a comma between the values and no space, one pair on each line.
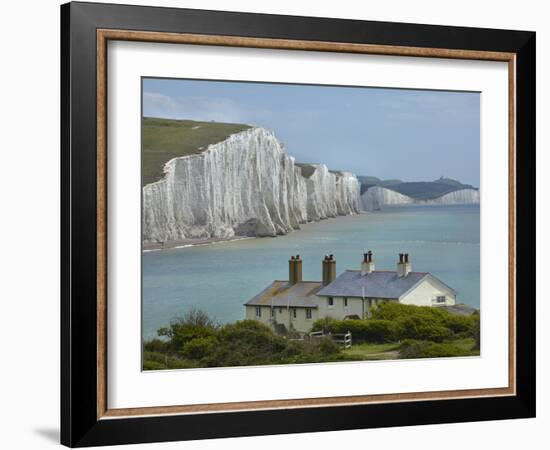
462,196
246,185
377,197
330,194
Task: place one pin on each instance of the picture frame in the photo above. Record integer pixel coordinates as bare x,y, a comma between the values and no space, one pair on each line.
86,418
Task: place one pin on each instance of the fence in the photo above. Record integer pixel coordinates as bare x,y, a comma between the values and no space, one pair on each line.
343,339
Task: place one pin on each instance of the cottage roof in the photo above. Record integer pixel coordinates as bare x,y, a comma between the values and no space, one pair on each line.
377,284
282,294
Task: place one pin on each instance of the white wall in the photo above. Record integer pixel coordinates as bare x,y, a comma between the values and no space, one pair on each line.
337,310
29,291
425,294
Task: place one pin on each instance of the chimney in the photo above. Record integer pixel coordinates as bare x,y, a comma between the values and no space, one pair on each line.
329,270
297,269
403,266
367,266
332,269
292,271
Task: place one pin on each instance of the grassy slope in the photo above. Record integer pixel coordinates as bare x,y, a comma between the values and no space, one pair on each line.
370,352
419,190
164,139
424,190
307,169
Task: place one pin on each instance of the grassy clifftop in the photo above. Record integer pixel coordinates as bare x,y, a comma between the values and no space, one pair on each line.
164,139
419,190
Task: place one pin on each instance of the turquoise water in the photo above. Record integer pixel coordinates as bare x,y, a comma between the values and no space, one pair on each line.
219,278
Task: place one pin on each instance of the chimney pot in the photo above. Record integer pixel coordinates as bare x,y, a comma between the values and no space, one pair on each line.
367,266
404,266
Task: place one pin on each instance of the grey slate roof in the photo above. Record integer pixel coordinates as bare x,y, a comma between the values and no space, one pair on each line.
377,284
281,294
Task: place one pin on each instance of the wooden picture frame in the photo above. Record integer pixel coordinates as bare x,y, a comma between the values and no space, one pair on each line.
85,417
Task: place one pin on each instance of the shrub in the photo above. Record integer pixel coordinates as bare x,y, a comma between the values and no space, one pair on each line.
246,342
198,348
155,345
328,347
411,348
422,328
438,350
476,332
153,365
326,324
194,324
158,361
370,330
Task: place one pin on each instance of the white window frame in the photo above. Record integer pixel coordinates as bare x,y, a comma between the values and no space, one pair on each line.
309,314
258,311
330,302
345,302
438,297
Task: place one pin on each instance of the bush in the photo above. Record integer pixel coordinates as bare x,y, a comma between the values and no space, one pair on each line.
159,361
422,328
328,347
427,323
246,342
155,345
410,349
198,348
195,324
370,330
153,365
326,324
476,332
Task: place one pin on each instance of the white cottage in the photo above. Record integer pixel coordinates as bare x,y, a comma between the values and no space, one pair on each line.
295,304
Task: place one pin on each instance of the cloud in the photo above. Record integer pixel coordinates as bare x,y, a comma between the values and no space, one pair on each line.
202,108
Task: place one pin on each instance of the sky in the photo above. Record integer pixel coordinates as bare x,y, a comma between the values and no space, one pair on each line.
413,135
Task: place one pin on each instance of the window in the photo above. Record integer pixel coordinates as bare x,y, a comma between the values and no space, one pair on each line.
294,313
280,310
440,299
345,302
272,312
258,311
330,302
308,313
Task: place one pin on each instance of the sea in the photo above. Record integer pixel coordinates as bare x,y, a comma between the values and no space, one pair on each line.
219,278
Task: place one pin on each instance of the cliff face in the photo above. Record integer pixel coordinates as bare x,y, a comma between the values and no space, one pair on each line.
330,194
462,196
246,185
377,197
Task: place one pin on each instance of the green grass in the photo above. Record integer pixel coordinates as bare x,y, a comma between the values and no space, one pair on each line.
419,190
373,351
164,139
390,350
466,344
